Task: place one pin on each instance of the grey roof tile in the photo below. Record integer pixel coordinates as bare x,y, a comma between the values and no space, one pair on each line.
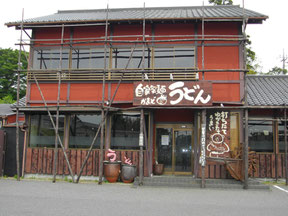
267,90
78,16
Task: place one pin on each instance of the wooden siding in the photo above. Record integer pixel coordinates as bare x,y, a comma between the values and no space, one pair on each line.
41,160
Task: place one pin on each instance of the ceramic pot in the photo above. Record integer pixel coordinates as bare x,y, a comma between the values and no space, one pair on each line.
128,173
112,170
158,169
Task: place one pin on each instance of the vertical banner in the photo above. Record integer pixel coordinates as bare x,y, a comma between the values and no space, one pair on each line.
218,133
202,159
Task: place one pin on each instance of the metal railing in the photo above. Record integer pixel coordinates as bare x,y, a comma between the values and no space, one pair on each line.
113,74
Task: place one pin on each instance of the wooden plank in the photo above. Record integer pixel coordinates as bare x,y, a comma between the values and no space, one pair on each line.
89,164
211,171
78,161
223,173
217,171
145,163
40,160
273,169
44,163
50,161
207,171
28,160
74,160
262,168
280,167
65,165
60,166
34,162
83,156
269,166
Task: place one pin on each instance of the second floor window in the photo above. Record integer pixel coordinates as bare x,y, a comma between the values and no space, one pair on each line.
49,59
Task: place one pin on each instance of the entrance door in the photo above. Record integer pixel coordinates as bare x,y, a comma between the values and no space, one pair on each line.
174,148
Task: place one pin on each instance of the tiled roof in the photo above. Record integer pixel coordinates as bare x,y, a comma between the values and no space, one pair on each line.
267,90
22,102
157,13
5,109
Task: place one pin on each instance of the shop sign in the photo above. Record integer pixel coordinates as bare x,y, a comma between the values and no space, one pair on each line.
172,93
218,133
202,158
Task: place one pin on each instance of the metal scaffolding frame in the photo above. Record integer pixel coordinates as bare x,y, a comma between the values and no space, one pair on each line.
146,41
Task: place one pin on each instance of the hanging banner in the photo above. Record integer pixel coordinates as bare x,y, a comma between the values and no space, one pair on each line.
218,133
172,93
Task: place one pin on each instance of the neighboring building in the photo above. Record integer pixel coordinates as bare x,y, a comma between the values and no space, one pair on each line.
8,136
179,72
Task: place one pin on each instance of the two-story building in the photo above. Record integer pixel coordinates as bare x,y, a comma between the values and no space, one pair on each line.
183,66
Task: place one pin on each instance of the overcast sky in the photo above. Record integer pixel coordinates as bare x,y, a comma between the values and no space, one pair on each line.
268,39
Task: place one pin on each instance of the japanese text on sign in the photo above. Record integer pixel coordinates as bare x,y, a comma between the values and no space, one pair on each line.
172,93
218,134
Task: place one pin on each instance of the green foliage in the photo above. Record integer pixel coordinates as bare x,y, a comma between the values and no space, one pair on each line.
7,100
8,73
221,2
277,71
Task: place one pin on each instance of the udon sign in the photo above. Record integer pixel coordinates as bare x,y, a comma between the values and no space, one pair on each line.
172,93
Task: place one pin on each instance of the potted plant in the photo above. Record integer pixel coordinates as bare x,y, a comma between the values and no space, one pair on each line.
158,168
111,167
128,171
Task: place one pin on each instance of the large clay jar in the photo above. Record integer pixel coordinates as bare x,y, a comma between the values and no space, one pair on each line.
128,173
158,169
112,170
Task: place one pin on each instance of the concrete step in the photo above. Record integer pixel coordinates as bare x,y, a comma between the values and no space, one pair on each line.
190,182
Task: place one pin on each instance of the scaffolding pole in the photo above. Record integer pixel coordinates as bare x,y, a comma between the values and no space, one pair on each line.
57,111
246,140
285,141
17,108
103,101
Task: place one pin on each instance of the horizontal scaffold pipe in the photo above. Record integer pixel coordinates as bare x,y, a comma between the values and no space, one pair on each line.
129,36
135,41
138,70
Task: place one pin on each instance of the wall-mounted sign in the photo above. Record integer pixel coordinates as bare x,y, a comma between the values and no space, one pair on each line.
218,133
202,158
172,93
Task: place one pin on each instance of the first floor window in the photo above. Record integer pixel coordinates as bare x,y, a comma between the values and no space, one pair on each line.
82,130
281,137
42,133
261,136
125,129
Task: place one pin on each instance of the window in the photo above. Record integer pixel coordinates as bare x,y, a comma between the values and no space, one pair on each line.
50,59
174,57
120,57
125,129
281,137
42,133
82,130
89,58
261,136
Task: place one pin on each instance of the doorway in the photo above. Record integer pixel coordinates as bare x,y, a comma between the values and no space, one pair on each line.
174,148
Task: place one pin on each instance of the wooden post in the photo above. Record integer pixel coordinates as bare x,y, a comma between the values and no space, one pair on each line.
101,149
245,156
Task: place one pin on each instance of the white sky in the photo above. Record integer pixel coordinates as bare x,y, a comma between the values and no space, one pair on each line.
268,39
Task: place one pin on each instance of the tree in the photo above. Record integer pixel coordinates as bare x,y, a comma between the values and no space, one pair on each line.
277,71
7,100
8,73
221,2
250,54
